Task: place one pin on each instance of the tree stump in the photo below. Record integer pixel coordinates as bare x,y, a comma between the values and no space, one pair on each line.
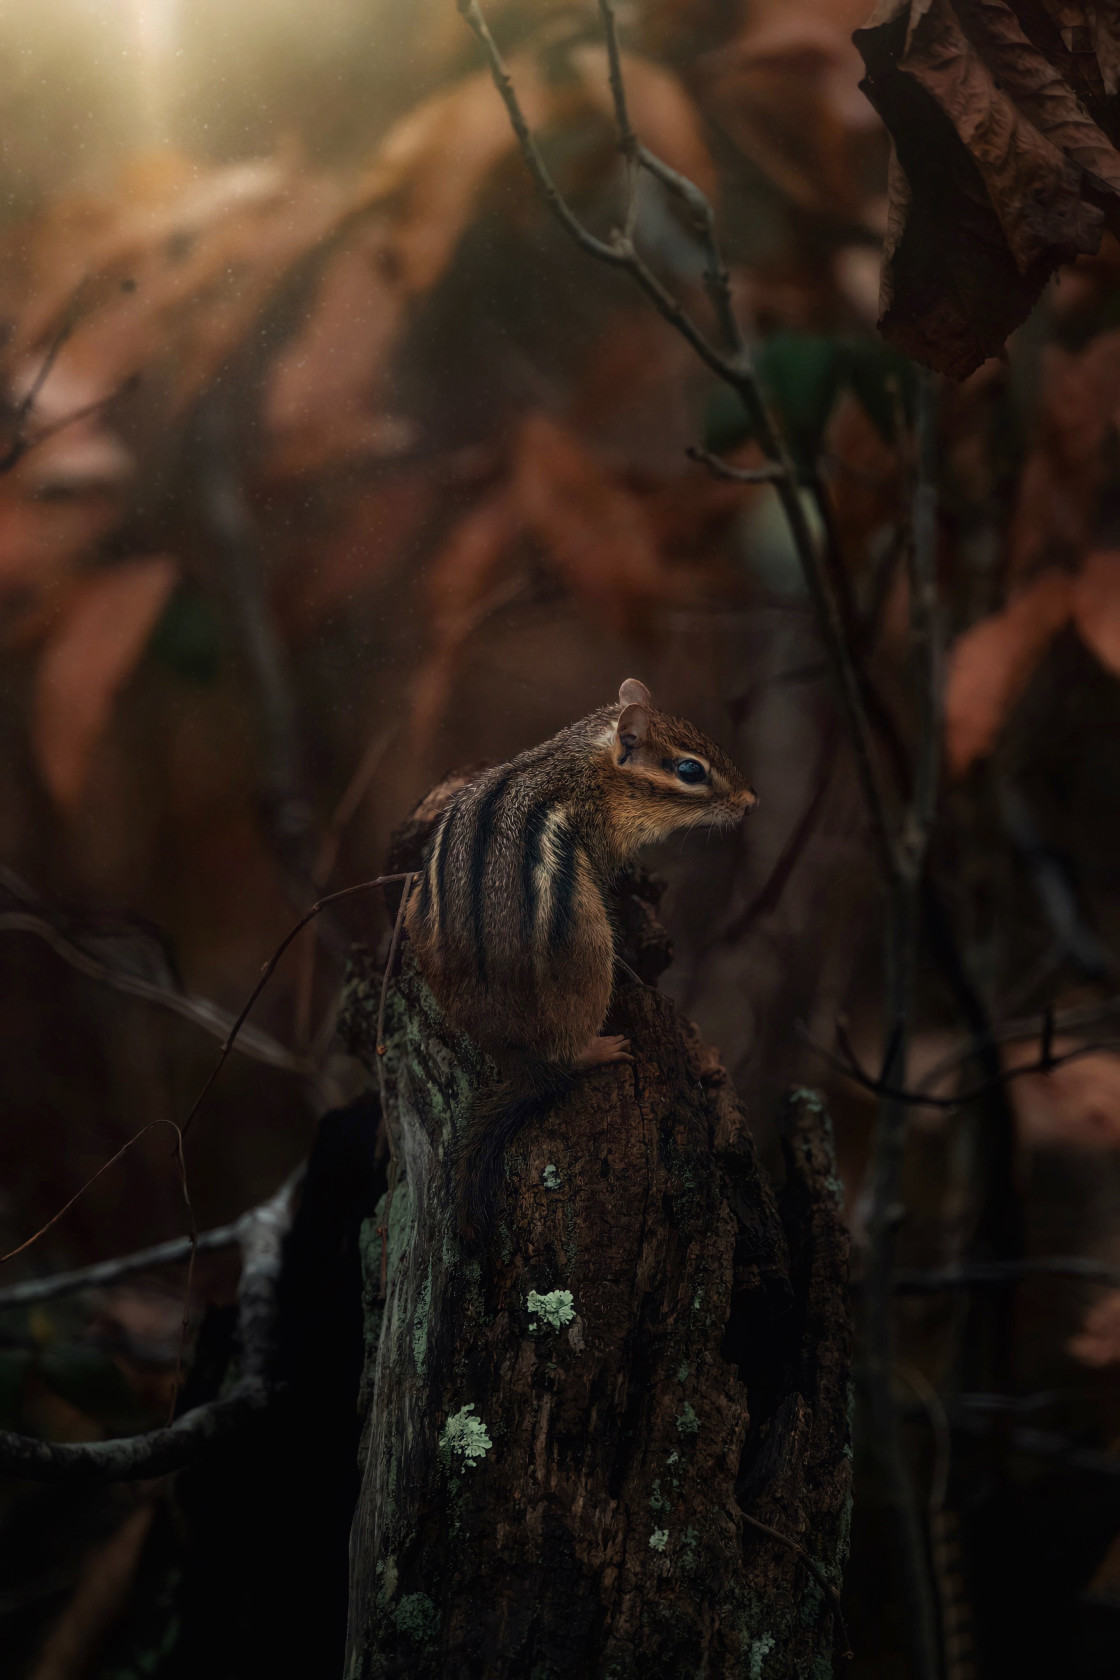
570,1440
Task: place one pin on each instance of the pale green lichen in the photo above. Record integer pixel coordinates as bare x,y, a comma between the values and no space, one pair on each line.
682,1373
696,1300
687,1421
659,1539
465,1437
417,1617
657,1500
550,1178
554,1309
760,1650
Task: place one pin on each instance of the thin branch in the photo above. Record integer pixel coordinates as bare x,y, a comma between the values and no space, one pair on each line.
769,894
158,1452
258,1045
266,975
531,152
1019,1031
287,815
919,1098
815,1570
737,475
26,442
20,443
104,1272
103,1168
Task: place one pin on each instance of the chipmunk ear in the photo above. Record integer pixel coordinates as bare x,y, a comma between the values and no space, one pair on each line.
634,693
633,726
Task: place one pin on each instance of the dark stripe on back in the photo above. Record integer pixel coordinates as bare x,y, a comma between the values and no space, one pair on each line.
424,897
561,923
482,820
439,885
535,824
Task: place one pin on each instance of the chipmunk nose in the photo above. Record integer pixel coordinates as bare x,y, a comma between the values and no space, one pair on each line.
748,799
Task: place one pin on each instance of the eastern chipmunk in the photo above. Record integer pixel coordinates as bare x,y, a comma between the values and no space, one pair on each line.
509,920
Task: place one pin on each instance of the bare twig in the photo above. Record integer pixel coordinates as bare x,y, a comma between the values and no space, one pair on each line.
1063,1022
769,894
921,1098
34,918
104,1272
738,475
21,443
157,1452
288,816
815,1570
25,442
266,975
103,1168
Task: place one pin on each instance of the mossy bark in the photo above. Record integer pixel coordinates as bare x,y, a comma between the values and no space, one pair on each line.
563,1437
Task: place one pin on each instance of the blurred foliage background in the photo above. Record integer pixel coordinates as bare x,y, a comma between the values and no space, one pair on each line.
330,465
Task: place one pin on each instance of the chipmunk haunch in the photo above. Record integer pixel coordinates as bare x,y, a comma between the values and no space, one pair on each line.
509,919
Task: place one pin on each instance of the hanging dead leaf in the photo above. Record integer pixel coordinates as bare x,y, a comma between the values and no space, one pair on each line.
87,659
999,173
991,664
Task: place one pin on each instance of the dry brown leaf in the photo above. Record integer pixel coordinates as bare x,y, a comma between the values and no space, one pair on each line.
1077,1104
596,534
1096,606
1097,1343
99,1598
786,91
1079,404
461,592
999,173
87,659
991,664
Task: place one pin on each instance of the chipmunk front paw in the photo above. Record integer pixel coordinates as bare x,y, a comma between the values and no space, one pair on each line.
599,1052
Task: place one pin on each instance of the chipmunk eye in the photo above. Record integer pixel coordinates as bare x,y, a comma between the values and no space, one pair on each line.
690,770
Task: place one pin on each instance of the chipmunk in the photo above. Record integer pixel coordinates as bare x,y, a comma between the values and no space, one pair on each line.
509,920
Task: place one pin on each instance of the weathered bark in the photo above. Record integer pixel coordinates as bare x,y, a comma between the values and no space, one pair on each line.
566,1439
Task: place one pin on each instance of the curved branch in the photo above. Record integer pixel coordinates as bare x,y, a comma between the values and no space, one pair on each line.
159,1451
131,1457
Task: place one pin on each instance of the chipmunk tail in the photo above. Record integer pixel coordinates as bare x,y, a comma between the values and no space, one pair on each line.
531,1086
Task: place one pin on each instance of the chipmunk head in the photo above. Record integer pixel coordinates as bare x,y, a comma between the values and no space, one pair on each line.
669,775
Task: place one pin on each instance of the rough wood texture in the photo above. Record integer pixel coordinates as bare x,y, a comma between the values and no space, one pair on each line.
562,1437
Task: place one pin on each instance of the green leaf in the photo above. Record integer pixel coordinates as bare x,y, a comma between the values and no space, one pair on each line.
188,637
800,375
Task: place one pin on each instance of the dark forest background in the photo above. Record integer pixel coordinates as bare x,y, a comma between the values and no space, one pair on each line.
331,465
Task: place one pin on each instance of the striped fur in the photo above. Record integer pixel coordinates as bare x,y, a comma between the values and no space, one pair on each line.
510,923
